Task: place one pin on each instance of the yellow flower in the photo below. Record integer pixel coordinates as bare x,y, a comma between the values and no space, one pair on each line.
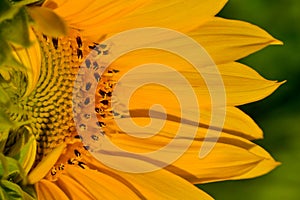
65,167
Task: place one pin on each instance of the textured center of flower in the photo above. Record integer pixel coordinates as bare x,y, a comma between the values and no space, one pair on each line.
49,106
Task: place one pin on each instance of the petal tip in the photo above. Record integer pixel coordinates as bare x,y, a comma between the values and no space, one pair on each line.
277,42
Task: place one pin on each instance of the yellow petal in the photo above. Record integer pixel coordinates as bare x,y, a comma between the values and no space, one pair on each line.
231,157
47,21
31,153
230,40
46,190
32,63
244,85
89,14
116,16
159,184
164,185
261,168
101,185
45,165
236,123
165,13
72,188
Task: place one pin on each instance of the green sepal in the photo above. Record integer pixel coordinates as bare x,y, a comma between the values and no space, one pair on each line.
47,21
16,30
3,194
7,192
13,180
12,190
6,124
5,51
7,10
10,169
25,149
7,61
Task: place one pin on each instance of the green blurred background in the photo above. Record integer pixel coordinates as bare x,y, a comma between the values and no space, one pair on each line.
279,114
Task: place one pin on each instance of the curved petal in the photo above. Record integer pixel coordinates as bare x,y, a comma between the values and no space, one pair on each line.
160,184
100,185
32,63
242,84
45,165
46,190
231,157
72,188
236,123
230,40
100,18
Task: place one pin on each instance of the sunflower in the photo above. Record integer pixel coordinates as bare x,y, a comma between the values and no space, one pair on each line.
42,154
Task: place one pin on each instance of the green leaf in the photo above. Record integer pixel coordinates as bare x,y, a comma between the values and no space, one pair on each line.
18,145
25,150
13,180
16,29
4,135
3,167
7,61
5,52
26,2
47,21
29,193
12,190
7,10
27,196
10,169
2,193
6,124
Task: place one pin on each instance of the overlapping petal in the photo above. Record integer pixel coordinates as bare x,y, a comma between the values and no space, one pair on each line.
101,18
31,63
229,40
153,186
231,157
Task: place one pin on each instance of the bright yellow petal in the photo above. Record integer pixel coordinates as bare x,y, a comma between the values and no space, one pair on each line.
230,40
31,153
101,185
244,85
231,157
165,13
45,165
72,188
236,123
116,16
46,190
89,14
160,184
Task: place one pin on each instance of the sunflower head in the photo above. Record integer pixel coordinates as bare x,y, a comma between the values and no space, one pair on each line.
48,146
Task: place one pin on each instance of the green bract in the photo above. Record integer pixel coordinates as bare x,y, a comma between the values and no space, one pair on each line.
14,22
13,180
